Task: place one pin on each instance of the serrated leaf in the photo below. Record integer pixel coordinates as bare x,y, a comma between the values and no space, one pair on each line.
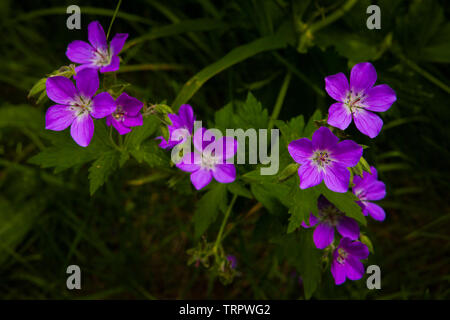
251,114
223,118
239,189
150,153
304,202
310,126
140,133
208,208
101,169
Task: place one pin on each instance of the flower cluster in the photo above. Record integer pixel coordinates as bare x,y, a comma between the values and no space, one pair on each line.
324,158
78,104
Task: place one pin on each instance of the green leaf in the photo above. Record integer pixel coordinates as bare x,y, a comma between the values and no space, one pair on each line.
22,116
310,267
251,114
150,153
102,168
239,189
304,202
223,118
310,126
140,133
208,208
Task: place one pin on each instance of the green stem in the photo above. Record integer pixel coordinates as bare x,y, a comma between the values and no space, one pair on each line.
224,222
113,18
280,99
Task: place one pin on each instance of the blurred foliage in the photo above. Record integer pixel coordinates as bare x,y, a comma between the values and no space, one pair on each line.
133,238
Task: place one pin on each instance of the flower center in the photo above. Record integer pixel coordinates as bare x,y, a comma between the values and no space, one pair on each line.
209,161
354,100
81,105
342,256
119,114
330,214
102,58
321,158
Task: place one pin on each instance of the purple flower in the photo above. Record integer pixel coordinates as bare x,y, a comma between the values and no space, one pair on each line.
76,105
233,261
328,218
97,54
346,260
209,159
181,127
126,114
369,188
323,158
358,99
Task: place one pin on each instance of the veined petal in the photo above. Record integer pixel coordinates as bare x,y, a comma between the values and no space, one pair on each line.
80,52
87,82
379,98
375,211
336,86
375,191
224,173
187,116
190,162
354,268
357,249
362,77
368,123
81,67
336,178
312,221
310,176
129,104
117,43
202,138
201,178
133,121
347,153
323,235
96,35
228,148
103,105
348,227
82,130
339,116
113,66
301,150
60,90
323,139
338,271
119,126
59,117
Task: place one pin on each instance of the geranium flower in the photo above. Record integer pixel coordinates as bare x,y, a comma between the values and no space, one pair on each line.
358,99
126,114
328,218
183,124
76,105
325,158
97,54
346,260
369,188
233,261
207,162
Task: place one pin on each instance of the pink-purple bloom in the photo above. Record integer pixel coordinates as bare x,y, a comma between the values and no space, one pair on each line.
77,105
233,261
359,99
181,127
325,158
367,189
346,260
97,54
210,159
328,218
126,115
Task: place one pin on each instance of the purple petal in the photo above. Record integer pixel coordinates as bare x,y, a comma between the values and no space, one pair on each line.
87,82
347,153
312,221
309,175
59,117
96,35
336,178
119,126
375,191
368,123
81,67
80,52
201,178
323,235
338,271
60,90
357,249
187,116
229,148
117,43
202,138
103,105
348,227
190,162
362,77
339,116
375,211
82,130
129,104
380,98
225,173
301,150
113,66
323,139
354,268
133,121
337,86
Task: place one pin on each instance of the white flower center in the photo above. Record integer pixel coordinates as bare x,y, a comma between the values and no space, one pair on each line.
321,158
102,58
354,101
119,114
342,256
81,106
209,161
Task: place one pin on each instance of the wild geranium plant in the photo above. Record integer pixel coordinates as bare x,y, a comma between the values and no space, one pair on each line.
334,187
